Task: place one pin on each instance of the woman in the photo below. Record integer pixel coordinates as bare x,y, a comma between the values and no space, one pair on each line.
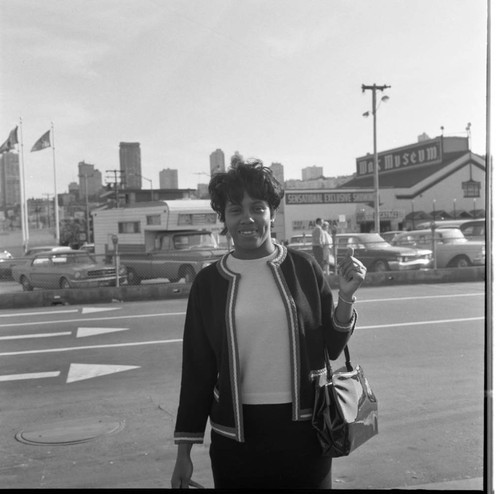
256,325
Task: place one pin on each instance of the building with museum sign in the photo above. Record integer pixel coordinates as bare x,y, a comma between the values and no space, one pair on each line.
439,177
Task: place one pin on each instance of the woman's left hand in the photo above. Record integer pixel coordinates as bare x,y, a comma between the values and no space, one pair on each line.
351,273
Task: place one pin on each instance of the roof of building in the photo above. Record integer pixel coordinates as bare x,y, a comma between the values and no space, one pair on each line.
411,176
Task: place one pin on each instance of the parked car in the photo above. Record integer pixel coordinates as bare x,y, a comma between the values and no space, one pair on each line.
378,255
452,248
473,229
31,252
65,269
304,242
6,261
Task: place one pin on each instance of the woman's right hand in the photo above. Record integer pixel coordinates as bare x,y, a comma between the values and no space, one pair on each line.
183,470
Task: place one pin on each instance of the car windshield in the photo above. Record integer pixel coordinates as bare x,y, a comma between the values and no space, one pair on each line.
451,235
82,258
300,239
363,241
194,241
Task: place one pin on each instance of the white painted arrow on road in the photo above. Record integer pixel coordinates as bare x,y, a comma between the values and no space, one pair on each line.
80,372
77,372
83,332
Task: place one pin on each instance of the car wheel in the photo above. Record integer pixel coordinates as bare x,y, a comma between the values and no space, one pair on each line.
64,284
380,266
27,286
132,277
460,262
187,272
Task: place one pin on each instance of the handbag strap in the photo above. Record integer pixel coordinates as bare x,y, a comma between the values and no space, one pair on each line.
348,365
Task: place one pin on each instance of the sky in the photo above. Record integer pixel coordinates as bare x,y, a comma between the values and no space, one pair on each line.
278,80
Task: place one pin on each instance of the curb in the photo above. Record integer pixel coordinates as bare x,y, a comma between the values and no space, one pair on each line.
134,293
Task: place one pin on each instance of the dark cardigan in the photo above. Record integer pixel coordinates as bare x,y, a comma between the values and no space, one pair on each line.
210,384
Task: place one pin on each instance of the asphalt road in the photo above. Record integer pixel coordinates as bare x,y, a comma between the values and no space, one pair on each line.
88,395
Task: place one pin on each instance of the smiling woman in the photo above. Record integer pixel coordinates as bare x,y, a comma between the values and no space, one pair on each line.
246,200
256,327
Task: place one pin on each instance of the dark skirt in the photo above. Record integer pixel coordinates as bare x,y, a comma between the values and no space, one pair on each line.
277,453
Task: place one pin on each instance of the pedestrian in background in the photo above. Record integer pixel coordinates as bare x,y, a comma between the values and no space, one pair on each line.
256,324
318,241
327,245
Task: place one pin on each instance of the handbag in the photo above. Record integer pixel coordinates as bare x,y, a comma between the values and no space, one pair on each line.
345,413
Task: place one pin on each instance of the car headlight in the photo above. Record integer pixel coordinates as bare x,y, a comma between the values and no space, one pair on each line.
78,274
123,270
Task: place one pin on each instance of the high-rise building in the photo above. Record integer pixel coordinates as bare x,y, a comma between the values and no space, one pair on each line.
89,180
130,164
278,172
217,164
10,183
236,155
312,172
169,179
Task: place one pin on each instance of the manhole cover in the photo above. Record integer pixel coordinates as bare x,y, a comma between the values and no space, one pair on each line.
70,431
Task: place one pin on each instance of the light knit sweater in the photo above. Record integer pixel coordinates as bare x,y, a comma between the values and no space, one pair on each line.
262,333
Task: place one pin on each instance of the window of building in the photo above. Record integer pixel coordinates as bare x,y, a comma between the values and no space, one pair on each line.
153,219
129,227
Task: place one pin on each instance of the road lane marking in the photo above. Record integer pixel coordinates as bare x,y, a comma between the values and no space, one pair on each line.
89,347
420,323
31,375
40,335
84,310
89,310
84,332
52,313
80,333
80,372
162,314
64,321
156,342
421,297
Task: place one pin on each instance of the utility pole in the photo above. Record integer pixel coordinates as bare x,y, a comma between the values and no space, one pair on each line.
115,182
374,88
87,225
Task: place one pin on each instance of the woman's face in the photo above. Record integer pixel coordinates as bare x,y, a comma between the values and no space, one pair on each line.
249,224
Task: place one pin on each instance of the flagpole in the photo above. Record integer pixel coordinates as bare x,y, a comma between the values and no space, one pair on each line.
56,205
22,189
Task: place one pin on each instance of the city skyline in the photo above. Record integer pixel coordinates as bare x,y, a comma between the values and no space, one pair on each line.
286,89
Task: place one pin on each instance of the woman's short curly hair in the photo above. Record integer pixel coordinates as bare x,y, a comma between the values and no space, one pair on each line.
250,176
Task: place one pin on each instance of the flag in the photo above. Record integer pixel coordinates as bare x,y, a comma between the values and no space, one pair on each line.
10,142
42,143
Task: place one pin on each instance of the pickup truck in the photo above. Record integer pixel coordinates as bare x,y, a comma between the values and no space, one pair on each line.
453,250
176,255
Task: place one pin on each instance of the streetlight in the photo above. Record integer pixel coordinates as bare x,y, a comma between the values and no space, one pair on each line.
374,88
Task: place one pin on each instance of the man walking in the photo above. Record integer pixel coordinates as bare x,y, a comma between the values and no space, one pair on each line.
318,241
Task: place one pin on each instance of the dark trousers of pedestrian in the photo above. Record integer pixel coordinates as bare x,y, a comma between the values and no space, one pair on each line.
318,254
278,453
